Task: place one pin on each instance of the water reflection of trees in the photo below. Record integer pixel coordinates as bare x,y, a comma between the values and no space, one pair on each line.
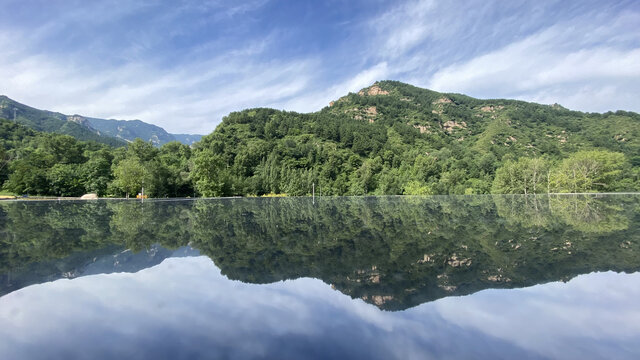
394,252
586,213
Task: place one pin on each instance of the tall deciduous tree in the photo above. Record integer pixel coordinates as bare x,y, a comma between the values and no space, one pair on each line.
209,173
129,176
585,171
524,176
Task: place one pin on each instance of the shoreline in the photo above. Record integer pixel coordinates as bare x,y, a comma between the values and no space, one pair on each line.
67,198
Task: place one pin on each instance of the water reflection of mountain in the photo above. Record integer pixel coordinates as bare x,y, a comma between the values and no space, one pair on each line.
394,252
106,260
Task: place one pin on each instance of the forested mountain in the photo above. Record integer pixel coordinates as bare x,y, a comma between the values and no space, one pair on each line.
52,122
129,130
389,138
394,138
110,132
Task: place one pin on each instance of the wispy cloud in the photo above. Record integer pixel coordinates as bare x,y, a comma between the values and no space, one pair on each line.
554,65
417,23
318,97
189,96
185,65
594,306
585,56
194,96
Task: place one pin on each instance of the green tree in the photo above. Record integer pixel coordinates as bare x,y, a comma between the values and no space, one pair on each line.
142,150
64,180
587,171
174,158
63,148
96,172
208,174
129,176
416,187
524,176
28,175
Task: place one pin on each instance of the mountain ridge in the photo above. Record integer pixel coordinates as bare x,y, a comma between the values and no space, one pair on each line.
50,122
109,131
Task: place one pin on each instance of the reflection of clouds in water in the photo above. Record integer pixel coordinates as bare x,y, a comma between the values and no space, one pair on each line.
187,299
583,318
184,307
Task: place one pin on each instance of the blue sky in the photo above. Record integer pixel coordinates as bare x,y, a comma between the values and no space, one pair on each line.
183,65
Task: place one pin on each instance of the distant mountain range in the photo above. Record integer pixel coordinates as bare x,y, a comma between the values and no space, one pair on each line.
106,131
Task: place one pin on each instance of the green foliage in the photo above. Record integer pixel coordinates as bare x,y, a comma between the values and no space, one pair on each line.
587,171
175,158
417,188
522,177
37,163
393,138
129,176
64,180
209,174
96,172
27,177
388,139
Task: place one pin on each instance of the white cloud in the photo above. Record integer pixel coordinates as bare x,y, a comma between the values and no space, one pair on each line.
184,296
402,28
551,67
584,57
318,98
191,97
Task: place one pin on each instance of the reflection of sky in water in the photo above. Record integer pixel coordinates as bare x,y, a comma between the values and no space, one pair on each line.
184,308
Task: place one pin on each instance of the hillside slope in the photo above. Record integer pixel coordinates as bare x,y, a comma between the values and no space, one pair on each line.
52,122
129,130
111,132
394,138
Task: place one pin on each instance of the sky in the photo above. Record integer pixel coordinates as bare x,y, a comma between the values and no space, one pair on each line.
184,65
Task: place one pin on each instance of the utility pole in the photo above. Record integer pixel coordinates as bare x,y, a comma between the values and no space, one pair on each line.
313,192
14,113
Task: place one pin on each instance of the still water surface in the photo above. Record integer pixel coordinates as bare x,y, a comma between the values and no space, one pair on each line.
391,277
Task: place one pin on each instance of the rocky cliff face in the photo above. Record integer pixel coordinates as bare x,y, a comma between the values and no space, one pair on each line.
78,119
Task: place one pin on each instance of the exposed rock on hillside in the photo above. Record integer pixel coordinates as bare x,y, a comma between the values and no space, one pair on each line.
373,90
451,125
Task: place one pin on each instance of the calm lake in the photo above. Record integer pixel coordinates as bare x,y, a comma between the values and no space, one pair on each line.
443,277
